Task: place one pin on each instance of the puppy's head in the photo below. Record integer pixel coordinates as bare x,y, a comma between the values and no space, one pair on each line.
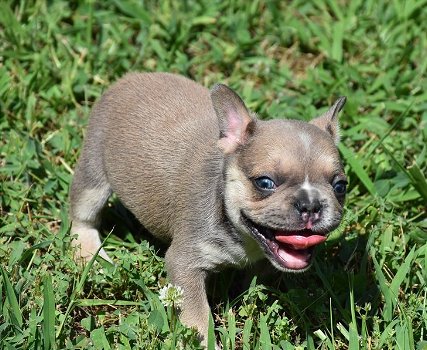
285,185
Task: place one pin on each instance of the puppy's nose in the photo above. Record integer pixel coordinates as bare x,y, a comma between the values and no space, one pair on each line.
309,211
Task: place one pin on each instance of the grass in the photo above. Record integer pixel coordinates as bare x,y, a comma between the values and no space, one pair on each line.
367,289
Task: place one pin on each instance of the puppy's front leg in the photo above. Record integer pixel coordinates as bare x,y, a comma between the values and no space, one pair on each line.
192,279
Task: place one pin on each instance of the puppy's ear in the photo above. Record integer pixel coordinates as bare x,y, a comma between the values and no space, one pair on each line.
235,122
329,120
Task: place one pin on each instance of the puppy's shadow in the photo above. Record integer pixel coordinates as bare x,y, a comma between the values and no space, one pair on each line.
118,220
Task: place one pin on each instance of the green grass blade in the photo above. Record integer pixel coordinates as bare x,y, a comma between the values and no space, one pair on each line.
418,180
10,23
33,328
392,127
211,342
99,339
352,303
343,331
387,334
14,309
264,336
353,331
402,337
310,342
100,302
155,304
79,287
246,334
402,272
28,252
48,314
337,40
414,174
353,343
357,168
232,329
331,320
324,338
384,288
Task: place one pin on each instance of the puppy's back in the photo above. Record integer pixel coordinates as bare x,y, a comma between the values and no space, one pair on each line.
149,134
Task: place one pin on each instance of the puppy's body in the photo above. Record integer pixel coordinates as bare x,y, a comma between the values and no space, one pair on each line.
194,167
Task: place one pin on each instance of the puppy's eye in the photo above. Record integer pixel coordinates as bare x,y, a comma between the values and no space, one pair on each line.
264,183
340,187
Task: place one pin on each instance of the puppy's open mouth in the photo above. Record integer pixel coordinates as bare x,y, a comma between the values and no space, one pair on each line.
292,250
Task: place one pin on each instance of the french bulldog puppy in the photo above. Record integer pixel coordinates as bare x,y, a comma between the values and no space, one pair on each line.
200,171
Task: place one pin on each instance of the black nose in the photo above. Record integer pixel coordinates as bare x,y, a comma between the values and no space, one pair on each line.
309,210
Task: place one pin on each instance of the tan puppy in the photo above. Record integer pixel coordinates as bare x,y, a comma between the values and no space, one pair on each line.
198,170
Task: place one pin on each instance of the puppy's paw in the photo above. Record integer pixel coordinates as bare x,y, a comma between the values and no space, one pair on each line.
87,244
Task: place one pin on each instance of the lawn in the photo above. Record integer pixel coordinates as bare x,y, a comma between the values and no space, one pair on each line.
368,286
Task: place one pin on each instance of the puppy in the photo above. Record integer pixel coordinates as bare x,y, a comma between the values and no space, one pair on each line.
198,170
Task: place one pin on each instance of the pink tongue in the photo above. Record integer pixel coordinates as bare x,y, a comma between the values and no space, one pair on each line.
301,242
294,259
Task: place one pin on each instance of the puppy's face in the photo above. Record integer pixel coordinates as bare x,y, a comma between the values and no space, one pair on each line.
285,189
285,185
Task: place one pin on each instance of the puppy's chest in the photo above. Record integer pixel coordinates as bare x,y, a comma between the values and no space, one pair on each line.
228,251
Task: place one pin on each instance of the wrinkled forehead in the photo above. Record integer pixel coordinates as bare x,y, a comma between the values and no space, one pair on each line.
296,149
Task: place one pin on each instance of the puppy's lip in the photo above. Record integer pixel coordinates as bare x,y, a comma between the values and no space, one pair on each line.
291,250
300,239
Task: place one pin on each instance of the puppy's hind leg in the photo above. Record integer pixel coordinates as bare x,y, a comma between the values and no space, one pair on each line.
89,193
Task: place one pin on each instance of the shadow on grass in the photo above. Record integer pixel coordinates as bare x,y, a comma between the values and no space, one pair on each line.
123,225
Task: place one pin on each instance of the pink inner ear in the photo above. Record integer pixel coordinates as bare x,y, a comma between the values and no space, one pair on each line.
233,134
234,127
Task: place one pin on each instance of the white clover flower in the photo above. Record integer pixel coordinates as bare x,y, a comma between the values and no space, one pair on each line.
171,295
